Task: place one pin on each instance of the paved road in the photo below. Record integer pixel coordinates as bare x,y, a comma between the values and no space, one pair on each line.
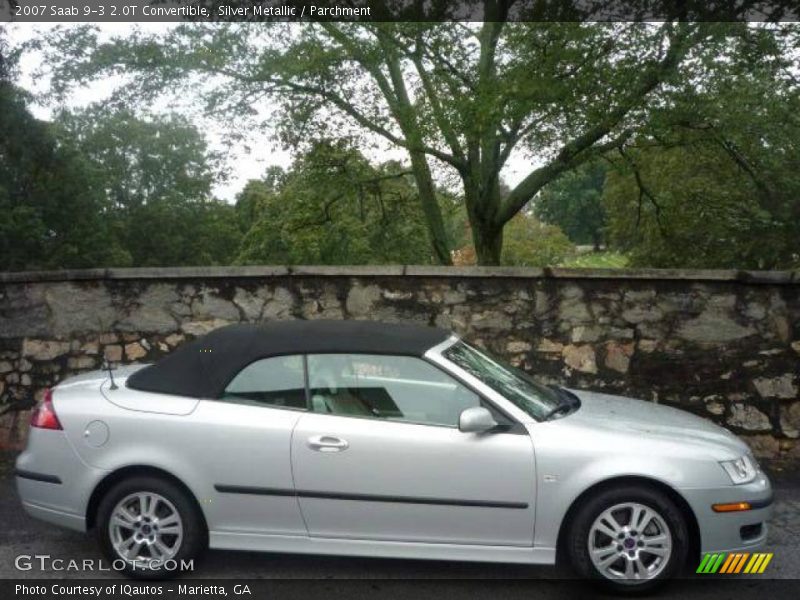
19,534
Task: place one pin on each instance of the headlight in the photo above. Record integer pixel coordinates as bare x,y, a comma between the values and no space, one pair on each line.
742,470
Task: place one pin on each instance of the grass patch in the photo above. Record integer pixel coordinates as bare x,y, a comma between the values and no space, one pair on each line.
597,260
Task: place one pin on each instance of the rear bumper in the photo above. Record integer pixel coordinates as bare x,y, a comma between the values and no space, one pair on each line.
56,517
53,483
732,531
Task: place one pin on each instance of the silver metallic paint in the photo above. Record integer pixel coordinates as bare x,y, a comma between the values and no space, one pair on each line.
207,442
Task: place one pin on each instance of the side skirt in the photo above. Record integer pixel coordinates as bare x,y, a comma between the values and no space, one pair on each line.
379,549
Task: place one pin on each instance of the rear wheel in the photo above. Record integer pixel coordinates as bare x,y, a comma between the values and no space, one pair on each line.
630,538
149,527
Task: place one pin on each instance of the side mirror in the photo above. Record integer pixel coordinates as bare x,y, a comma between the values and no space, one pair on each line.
476,420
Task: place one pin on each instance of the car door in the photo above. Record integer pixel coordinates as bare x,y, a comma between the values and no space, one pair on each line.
380,457
241,444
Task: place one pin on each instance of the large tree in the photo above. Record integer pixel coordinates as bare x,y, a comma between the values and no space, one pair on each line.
50,216
694,205
155,176
333,207
456,97
140,160
713,180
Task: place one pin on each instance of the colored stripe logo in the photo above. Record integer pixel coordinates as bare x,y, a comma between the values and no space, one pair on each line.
733,563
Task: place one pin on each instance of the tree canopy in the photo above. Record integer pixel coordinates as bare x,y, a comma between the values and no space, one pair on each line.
714,181
574,202
98,189
687,131
458,98
531,243
155,176
50,214
333,207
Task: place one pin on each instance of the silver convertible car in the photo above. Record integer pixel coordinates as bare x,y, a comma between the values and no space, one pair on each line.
364,438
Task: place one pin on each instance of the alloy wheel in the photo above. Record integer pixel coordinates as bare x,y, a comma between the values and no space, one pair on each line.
630,542
145,528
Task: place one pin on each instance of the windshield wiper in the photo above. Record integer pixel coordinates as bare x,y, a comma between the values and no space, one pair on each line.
564,405
568,401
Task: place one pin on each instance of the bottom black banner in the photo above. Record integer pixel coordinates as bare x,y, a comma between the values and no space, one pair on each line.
411,589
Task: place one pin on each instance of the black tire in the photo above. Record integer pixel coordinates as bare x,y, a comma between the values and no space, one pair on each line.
194,536
577,542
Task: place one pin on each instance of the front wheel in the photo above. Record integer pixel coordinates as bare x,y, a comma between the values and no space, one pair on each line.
149,527
630,538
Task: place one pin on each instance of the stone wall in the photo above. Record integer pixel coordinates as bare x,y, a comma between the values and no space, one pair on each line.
722,344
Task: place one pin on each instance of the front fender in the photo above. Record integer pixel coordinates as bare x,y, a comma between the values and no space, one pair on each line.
566,469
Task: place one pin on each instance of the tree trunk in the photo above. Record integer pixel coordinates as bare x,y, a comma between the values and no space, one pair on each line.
405,113
487,234
488,241
430,208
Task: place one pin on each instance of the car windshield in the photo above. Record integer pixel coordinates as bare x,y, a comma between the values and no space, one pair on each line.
513,384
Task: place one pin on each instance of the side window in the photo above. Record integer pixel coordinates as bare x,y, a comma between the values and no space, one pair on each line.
395,388
277,382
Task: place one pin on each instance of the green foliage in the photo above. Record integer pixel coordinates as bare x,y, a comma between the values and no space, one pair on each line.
530,243
574,203
715,180
140,160
156,177
5,62
51,216
105,188
695,209
333,207
462,98
700,120
169,232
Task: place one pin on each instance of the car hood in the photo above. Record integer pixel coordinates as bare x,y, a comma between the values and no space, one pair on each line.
646,419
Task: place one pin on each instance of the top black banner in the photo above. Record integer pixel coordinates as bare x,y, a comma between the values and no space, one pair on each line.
397,10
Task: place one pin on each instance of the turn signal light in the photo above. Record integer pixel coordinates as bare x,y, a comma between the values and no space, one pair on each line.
731,507
44,416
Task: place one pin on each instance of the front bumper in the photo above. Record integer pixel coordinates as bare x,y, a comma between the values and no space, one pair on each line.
732,531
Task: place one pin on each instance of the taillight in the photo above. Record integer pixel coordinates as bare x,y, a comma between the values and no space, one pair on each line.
44,416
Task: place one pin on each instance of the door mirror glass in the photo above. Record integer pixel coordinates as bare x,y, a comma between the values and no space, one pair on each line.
476,420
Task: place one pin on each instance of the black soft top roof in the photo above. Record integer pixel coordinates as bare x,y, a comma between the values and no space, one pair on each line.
203,367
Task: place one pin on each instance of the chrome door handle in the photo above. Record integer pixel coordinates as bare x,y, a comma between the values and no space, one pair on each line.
327,443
